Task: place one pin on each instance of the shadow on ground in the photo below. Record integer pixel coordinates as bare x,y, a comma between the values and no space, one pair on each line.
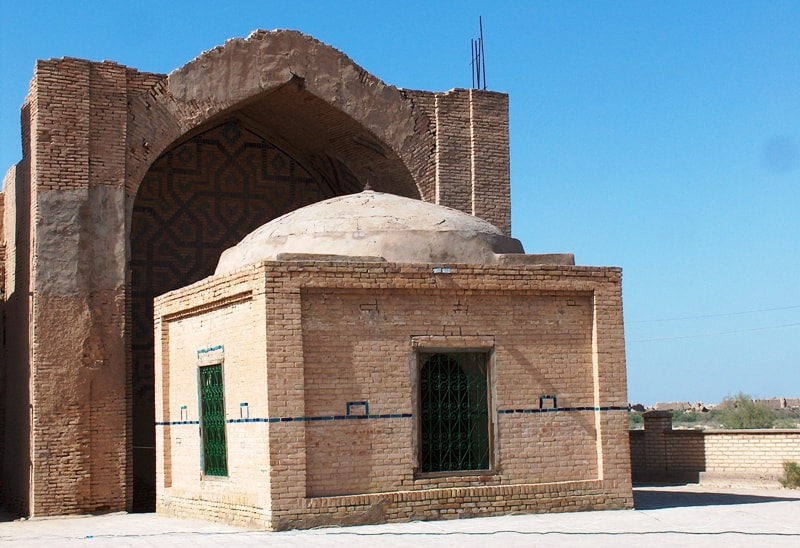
644,499
6,515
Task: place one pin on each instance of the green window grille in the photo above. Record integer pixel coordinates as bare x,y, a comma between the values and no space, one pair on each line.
454,411
212,420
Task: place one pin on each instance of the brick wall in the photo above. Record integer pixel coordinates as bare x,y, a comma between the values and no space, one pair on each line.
659,453
469,169
351,329
78,366
233,327
749,454
302,340
490,160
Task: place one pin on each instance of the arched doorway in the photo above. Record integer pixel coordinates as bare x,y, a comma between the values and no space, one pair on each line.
199,198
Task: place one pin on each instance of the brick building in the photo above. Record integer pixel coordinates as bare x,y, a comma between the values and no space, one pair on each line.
374,357
132,184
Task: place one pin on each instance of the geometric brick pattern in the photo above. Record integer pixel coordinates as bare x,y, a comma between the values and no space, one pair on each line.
197,200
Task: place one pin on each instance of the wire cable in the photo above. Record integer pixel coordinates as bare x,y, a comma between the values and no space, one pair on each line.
720,315
701,335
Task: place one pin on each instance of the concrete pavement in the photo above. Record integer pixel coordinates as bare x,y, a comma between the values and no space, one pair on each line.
690,515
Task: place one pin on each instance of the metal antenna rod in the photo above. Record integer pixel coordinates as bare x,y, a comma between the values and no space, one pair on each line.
478,59
478,62
472,59
483,56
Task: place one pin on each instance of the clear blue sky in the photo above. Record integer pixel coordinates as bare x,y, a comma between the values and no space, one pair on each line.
659,136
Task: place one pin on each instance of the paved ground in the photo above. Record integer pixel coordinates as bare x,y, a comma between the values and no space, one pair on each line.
664,516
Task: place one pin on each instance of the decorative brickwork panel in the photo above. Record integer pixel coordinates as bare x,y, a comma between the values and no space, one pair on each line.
197,200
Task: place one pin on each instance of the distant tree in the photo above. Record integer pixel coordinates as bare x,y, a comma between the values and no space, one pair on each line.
689,415
742,412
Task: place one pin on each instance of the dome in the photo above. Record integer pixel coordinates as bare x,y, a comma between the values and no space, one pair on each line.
373,224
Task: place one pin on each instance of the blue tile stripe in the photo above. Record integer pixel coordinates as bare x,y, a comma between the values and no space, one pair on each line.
273,420
300,419
559,409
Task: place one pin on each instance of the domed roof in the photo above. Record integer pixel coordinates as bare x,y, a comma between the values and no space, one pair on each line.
373,224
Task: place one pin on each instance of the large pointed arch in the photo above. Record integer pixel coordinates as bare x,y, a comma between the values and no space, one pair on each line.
303,92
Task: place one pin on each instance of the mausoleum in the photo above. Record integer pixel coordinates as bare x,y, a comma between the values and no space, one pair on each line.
304,375
375,358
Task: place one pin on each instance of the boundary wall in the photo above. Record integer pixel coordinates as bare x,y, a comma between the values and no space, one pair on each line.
730,457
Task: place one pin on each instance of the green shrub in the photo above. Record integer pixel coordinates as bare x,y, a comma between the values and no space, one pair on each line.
686,416
787,418
791,474
635,420
786,423
742,412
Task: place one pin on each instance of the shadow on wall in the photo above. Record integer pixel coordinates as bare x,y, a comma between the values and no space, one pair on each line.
15,444
662,455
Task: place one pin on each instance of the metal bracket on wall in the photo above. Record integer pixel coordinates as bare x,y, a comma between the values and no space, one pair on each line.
548,398
351,404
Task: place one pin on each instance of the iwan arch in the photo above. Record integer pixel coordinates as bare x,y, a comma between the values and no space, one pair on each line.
132,184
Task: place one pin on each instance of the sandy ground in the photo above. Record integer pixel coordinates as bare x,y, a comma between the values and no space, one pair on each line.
689,515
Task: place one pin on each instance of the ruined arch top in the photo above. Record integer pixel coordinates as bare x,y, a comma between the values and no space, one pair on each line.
244,74
243,68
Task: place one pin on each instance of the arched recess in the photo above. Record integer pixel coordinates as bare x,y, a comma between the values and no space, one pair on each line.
199,198
243,134
299,86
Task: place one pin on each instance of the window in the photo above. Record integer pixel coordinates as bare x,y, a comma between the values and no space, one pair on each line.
454,411
212,421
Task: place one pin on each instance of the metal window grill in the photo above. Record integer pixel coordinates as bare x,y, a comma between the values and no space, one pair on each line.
454,412
212,405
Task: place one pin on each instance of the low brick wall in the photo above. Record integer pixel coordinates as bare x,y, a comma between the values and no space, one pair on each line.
661,454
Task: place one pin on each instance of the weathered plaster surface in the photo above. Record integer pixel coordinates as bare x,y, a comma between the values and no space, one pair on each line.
370,223
81,239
